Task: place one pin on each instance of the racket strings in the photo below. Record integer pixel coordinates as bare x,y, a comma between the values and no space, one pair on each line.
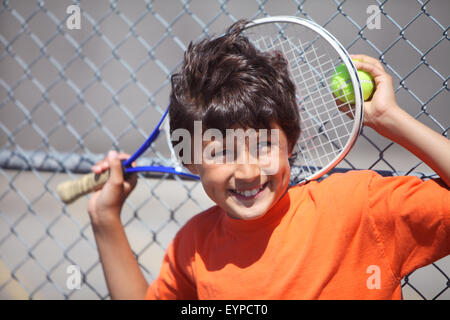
325,128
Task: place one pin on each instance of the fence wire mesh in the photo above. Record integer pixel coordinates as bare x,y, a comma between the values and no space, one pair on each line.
67,96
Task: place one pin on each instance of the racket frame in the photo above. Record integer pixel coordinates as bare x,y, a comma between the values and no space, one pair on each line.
353,72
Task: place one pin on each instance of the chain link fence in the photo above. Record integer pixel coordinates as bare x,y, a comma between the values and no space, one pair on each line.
70,90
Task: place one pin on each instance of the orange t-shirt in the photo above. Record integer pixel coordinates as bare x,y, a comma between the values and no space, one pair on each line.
350,236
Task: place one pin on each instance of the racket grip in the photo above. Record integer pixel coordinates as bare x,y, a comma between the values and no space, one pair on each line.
70,191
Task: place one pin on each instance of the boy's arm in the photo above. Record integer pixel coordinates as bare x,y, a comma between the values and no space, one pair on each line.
384,115
122,272
123,276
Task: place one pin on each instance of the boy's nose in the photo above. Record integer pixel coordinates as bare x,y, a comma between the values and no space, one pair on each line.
247,172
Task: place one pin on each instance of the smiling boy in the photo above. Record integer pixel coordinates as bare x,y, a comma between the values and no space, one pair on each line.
350,236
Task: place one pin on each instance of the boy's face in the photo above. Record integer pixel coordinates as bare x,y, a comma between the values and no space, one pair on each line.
244,188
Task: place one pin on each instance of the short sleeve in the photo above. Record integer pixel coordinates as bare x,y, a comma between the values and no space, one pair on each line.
412,220
174,281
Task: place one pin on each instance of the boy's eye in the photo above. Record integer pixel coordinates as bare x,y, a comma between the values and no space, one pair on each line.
264,144
220,153
264,148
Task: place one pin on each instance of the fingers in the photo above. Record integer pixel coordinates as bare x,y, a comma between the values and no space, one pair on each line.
115,168
103,165
100,167
113,162
372,66
367,59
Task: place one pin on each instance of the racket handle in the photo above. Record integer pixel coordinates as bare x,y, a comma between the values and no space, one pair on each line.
70,191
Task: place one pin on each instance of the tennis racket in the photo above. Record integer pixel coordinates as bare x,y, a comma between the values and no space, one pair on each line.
329,127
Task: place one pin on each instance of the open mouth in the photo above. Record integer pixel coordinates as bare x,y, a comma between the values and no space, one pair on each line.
248,194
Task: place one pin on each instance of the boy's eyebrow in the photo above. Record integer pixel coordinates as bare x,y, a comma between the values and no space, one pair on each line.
223,143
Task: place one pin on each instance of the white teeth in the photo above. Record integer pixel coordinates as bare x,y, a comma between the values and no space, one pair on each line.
249,193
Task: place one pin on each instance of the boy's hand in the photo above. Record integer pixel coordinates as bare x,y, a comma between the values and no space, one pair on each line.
105,204
384,115
383,99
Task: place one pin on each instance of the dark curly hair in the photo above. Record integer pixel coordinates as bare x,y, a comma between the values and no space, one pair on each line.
226,81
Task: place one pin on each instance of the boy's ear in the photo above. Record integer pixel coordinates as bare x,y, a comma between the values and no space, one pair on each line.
290,150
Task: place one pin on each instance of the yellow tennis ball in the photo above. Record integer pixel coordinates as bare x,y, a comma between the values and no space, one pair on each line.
342,87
